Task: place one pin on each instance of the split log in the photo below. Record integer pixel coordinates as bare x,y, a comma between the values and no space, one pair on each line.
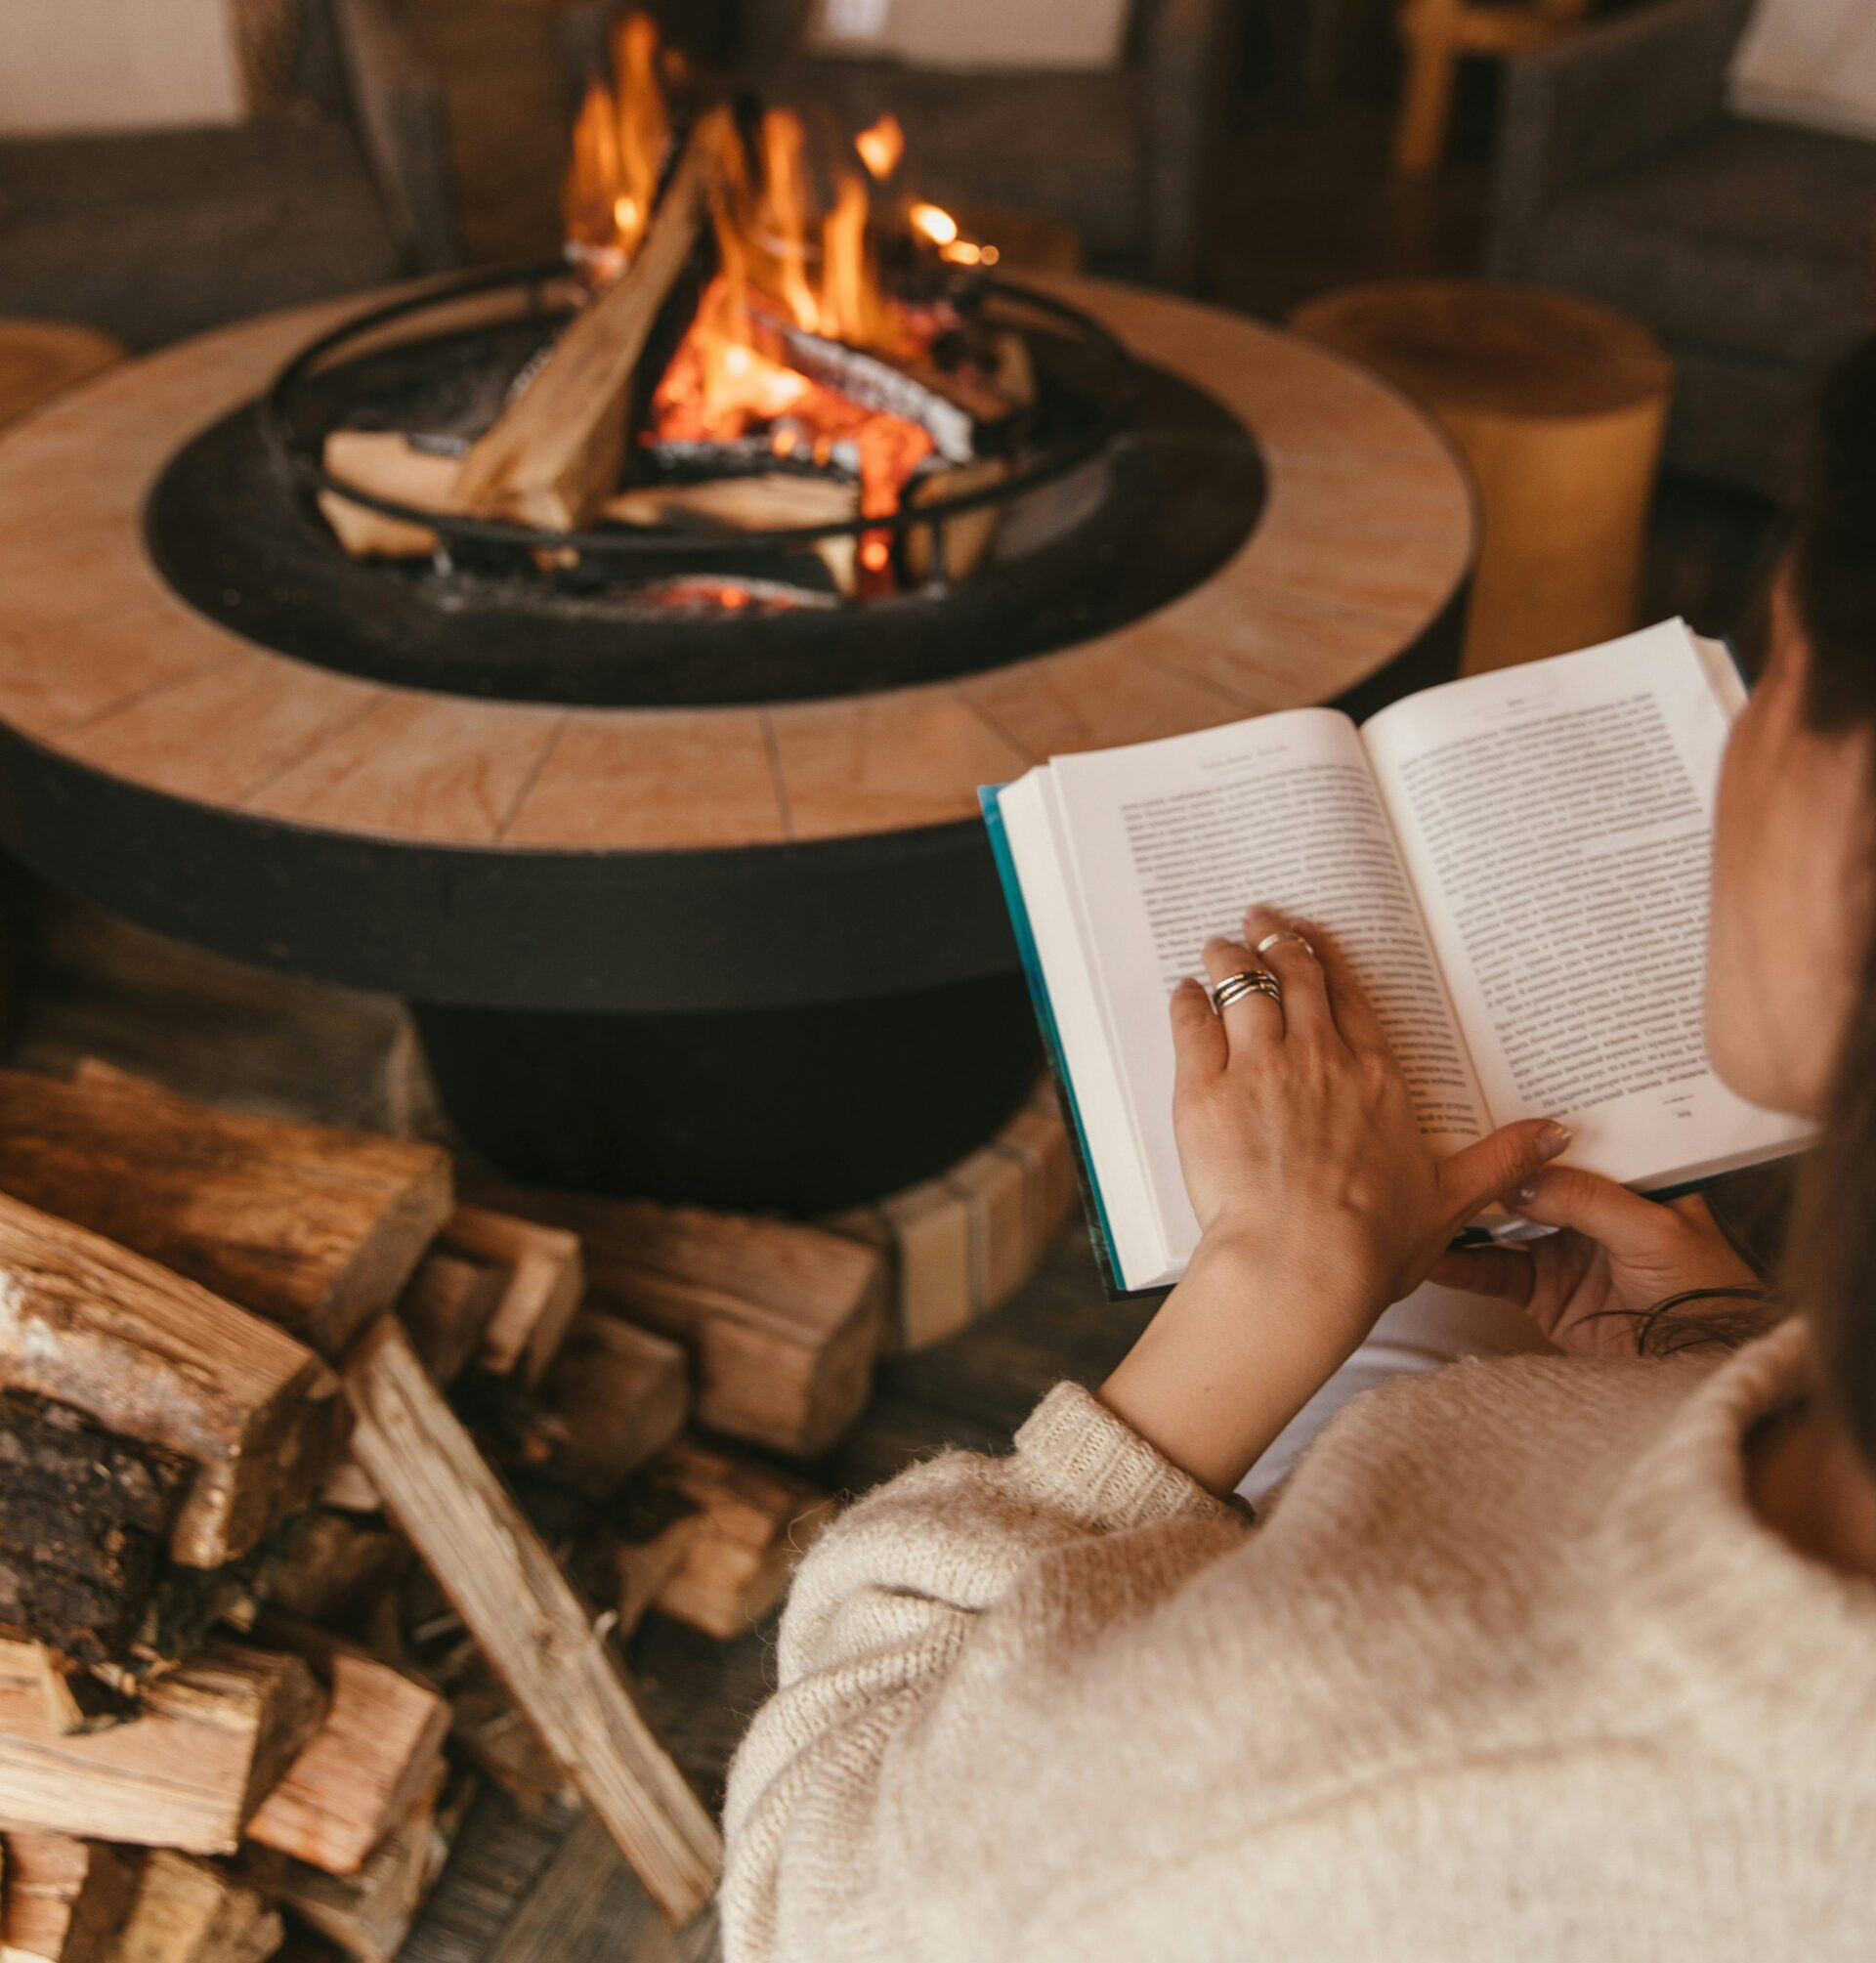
545,1282
618,1396
756,1523
43,1695
649,1540
496,1739
213,1737
85,1517
162,1362
528,1621
771,500
387,463
958,411
451,1304
314,1228
191,1912
66,1899
951,549
336,1567
781,1320
365,1766
368,1914
555,451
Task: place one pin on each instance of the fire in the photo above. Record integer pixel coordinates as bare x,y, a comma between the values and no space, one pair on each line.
619,151
881,147
797,252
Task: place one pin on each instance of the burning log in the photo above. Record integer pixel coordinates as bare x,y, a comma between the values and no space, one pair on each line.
959,413
551,457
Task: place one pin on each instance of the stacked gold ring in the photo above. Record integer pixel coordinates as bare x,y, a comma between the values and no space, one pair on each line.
1246,982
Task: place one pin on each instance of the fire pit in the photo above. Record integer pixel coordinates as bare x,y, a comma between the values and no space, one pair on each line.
640,752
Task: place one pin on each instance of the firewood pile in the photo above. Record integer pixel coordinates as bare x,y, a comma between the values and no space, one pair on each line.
331,1490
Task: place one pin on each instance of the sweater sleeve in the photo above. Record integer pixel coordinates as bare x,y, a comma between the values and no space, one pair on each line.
882,1615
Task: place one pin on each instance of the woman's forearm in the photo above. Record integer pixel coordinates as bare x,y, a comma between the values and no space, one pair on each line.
1227,1361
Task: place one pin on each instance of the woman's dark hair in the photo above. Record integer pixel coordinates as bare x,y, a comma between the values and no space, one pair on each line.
1831,582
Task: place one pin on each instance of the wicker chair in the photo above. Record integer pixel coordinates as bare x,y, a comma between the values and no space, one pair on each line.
1125,157
157,235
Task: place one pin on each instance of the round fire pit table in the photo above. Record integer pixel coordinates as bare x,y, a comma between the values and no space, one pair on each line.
749,952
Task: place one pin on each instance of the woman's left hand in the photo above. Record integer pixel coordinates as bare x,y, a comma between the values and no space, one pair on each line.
1318,1199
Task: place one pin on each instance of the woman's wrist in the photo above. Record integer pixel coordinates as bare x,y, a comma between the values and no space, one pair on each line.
1239,1347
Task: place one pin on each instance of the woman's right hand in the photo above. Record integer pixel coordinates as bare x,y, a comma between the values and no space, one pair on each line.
1589,1286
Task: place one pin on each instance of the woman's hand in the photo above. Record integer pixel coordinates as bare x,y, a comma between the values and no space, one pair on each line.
1591,1287
1318,1199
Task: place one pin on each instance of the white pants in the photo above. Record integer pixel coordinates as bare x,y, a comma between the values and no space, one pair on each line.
1426,1331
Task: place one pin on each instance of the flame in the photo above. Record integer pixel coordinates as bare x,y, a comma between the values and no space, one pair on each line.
787,259
619,149
881,147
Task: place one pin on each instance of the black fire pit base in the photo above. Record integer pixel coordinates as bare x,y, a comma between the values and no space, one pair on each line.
801,1110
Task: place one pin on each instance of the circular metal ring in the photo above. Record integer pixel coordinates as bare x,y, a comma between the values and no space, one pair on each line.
1246,982
1280,938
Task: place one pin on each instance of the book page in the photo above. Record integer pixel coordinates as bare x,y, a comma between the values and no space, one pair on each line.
1557,819
1169,842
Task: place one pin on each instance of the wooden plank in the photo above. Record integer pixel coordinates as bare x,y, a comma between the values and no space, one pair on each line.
64,1899
213,1737
528,1621
365,1766
654,780
546,1278
313,1226
158,1360
782,1319
616,1397
756,1523
191,1912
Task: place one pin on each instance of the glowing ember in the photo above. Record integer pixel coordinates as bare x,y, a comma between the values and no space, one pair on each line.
881,147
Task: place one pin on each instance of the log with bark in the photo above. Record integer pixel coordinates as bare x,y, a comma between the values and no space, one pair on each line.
781,1320
525,1616
211,1739
552,455
314,1228
162,1362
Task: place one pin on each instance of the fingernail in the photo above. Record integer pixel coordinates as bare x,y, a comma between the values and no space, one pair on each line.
1553,1140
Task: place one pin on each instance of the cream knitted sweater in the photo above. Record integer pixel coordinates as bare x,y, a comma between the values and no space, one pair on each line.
1509,1671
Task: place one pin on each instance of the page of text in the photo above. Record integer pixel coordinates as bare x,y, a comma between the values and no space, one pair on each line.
1558,819
1169,843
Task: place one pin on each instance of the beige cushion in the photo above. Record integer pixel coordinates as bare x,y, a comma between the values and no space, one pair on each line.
74,67
1048,35
1811,63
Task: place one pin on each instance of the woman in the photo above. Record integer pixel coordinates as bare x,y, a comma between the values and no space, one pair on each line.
1565,1656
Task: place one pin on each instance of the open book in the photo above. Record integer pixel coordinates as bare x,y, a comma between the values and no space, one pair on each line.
1515,862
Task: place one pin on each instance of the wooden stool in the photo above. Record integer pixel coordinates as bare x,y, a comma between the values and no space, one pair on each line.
1436,33
1559,406
39,357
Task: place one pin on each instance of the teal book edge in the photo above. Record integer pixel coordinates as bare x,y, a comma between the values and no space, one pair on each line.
1099,1233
